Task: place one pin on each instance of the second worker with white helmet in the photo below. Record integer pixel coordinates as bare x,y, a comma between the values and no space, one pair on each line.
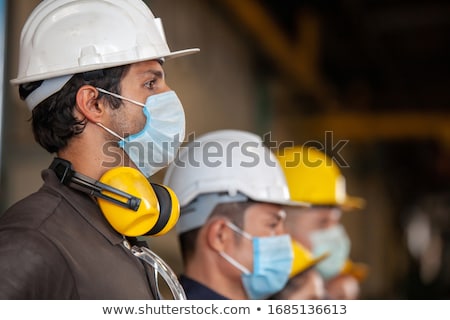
231,191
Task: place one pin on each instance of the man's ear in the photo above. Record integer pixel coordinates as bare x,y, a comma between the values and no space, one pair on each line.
218,235
88,104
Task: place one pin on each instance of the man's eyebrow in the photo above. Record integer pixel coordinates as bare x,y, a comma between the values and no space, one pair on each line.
156,73
278,215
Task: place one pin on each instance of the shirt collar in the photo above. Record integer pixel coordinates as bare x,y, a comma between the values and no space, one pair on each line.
84,205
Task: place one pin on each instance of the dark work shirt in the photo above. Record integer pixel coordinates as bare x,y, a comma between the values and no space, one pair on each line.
56,244
196,291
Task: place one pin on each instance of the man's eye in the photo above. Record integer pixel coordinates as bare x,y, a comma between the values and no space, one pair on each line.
274,225
150,84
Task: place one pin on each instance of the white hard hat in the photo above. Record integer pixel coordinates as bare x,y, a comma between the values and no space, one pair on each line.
64,37
232,163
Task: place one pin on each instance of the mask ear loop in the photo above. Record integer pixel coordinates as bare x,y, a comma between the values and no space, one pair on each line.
227,257
233,262
109,131
114,134
120,97
236,229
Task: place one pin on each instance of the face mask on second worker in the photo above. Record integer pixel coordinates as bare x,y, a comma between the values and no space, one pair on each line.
272,263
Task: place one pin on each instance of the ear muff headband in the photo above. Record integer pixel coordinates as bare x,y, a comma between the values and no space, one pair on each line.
66,175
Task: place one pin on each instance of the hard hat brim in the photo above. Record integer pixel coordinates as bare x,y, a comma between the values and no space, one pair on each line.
291,203
282,202
357,270
99,66
353,203
181,53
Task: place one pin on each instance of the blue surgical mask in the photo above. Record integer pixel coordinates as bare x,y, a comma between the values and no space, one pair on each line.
335,241
157,144
272,263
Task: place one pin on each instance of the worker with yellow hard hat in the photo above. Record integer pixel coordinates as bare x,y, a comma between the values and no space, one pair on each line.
315,178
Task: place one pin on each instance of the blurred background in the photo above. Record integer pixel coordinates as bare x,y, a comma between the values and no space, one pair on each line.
371,77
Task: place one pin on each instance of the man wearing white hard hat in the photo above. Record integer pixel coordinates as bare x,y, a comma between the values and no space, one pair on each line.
91,73
231,191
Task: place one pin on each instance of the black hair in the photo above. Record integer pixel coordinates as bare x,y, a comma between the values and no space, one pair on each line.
53,121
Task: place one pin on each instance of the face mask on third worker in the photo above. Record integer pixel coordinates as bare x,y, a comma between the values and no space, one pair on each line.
272,264
334,241
157,144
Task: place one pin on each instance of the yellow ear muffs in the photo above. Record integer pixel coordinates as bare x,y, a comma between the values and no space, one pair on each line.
148,218
132,206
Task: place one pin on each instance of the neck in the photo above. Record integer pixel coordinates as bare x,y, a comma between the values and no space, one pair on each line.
209,272
91,154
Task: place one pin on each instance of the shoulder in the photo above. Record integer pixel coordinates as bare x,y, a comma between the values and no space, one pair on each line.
32,267
31,211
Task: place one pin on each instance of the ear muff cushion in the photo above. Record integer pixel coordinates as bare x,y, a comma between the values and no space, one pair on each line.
168,210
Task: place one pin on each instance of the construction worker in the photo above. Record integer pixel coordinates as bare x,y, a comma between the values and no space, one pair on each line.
91,73
314,177
233,243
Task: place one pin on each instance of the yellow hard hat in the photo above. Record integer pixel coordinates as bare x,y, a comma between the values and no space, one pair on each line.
303,259
315,178
158,209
